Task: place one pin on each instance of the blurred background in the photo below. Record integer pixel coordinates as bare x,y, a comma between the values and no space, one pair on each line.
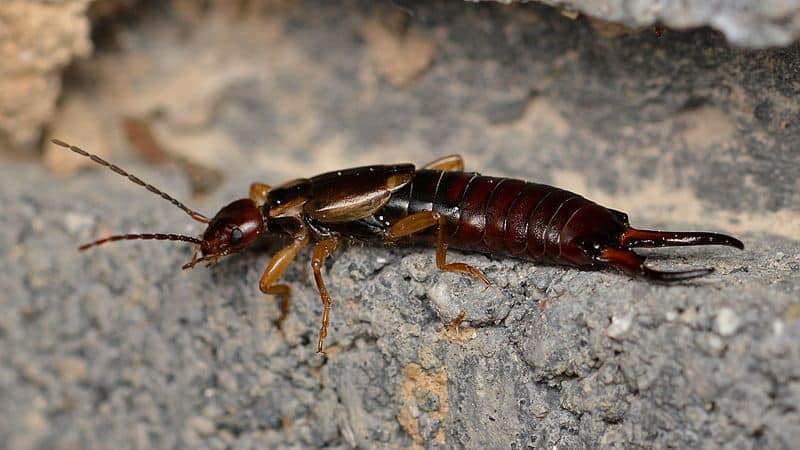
681,127
683,114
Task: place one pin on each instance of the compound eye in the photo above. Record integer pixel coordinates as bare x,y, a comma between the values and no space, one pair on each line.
236,236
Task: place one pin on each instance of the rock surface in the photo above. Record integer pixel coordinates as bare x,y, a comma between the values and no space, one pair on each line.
747,23
118,347
38,38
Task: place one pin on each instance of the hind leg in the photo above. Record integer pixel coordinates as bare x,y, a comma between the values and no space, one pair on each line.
323,250
421,221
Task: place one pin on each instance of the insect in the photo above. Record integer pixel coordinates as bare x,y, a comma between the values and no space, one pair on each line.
439,204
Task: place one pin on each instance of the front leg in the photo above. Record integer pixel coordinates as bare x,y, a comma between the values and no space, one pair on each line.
275,269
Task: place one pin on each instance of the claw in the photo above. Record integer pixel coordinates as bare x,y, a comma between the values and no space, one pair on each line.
633,264
625,259
632,238
672,277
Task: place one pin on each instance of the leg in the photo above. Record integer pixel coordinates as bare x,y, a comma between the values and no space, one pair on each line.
426,219
322,250
275,269
258,192
452,163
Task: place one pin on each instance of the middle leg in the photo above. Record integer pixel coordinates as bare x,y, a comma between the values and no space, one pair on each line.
323,250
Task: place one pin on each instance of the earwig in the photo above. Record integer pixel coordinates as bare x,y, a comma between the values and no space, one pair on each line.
439,204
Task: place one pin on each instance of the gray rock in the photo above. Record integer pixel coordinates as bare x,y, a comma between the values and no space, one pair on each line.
748,23
122,341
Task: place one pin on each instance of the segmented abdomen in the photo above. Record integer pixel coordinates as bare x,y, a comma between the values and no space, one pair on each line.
511,217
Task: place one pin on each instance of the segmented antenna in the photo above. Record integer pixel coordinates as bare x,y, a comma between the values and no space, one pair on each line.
156,236
118,170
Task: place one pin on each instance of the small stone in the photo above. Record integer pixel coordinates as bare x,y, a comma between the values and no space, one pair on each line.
35,421
715,343
202,425
619,326
72,369
689,316
777,327
74,222
426,400
792,313
429,426
726,322
440,295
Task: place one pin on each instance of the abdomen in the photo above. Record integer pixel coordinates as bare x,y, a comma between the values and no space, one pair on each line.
509,217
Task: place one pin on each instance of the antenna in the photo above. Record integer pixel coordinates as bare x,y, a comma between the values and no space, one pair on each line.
156,236
118,170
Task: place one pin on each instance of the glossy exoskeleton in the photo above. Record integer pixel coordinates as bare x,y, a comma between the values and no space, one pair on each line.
440,204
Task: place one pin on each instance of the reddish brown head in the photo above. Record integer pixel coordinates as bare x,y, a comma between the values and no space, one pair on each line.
235,226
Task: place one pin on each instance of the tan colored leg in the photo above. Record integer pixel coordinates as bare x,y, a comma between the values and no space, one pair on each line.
322,250
258,192
426,219
452,163
277,265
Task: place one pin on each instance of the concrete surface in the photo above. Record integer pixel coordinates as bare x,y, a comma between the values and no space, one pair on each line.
119,348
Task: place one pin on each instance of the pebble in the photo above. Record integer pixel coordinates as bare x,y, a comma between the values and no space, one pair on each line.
619,325
72,369
726,322
202,425
74,222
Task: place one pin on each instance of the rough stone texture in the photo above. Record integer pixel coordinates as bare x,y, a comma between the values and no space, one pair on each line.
119,348
38,38
748,23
